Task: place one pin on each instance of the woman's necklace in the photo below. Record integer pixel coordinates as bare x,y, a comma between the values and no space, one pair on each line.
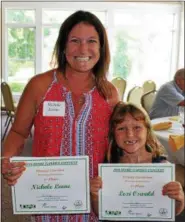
78,99
81,100
78,89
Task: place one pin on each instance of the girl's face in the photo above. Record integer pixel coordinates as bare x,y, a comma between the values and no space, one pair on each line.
83,48
131,135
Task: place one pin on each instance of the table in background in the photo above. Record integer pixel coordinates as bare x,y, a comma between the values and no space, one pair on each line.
163,136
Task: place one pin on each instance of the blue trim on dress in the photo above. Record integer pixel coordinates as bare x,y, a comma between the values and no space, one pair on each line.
81,125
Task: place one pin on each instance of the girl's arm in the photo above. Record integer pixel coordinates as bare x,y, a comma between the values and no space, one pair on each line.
95,185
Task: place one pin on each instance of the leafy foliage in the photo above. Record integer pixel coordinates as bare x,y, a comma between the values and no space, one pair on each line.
21,42
17,87
121,60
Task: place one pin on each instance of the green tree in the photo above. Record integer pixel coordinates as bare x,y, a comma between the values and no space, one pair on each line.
121,60
17,87
21,41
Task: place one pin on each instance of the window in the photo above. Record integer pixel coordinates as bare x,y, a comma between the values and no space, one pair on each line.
143,38
20,47
142,46
181,51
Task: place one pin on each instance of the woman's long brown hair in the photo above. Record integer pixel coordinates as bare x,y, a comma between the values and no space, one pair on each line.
100,70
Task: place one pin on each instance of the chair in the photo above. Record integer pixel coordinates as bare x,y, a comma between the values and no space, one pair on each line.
8,104
147,100
120,84
149,86
134,95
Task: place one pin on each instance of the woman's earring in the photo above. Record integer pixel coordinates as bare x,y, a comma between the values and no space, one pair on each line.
148,148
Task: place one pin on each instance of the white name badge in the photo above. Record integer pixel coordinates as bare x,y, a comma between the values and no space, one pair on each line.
53,108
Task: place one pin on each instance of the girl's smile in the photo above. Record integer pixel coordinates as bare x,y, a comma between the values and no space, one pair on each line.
131,135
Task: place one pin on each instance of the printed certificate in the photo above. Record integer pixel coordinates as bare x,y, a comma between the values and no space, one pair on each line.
52,185
134,192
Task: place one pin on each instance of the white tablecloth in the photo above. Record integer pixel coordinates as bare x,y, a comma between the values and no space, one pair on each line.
163,135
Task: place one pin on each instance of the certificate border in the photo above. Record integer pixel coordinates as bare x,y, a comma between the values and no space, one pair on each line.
64,158
118,218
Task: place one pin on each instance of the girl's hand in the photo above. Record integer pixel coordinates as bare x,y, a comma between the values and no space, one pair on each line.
11,171
174,191
95,185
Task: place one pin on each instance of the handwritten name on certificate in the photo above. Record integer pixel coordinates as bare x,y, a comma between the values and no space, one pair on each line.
52,185
134,192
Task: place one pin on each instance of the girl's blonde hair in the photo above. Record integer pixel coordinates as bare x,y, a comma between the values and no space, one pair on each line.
139,114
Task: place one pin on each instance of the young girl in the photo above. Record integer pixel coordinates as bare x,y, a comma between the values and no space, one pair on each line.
132,141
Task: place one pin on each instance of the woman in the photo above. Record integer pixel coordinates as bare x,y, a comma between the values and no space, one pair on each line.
132,141
80,86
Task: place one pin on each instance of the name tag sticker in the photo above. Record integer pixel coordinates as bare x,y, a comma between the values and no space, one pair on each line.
52,108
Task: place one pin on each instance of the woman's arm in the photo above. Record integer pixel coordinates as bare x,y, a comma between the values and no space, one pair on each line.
25,113
14,142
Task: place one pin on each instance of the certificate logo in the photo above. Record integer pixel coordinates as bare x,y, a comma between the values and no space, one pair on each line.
27,206
130,212
64,207
149,214
78,204
163,211
113,212
45,205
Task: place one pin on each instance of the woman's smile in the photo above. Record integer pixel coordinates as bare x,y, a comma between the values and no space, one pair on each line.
83,48
82,58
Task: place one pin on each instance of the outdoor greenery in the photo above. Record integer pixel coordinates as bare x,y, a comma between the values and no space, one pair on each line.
17,87
15,66
121,60
20,16
21,42
21,48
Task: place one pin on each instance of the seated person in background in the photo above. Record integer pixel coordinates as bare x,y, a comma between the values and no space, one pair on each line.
169,97
132,141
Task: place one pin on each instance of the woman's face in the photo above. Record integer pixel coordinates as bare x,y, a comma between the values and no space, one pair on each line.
131,134
82,48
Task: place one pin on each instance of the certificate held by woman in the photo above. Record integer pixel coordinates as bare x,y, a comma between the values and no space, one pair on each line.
52,185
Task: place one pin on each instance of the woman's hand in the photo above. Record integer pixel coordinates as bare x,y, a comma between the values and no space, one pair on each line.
95,185
11,171
175,191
